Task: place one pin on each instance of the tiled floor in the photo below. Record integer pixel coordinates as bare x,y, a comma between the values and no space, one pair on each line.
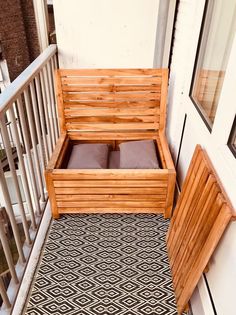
106,264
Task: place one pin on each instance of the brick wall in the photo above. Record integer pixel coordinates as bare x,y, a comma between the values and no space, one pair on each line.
30,28
18,35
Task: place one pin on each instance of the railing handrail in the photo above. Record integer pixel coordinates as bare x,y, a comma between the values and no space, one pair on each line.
17,86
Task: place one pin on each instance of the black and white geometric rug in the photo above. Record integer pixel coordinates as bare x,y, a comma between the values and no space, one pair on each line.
104,264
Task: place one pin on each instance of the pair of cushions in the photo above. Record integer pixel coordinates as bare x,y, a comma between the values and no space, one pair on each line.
133,155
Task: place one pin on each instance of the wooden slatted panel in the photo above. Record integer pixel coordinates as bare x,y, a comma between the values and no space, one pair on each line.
112,100
119,190
202,213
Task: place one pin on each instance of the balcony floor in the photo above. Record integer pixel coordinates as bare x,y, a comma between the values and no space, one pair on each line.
104,264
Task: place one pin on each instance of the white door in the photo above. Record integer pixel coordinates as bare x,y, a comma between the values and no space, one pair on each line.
183,137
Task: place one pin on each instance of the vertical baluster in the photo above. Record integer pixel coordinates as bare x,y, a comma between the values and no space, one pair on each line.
4,294
8,206
53,102
49,127
42,118
34,144
54,96
49,107
7,253
16,140
29,156
16,115
37,123
8,150
55,62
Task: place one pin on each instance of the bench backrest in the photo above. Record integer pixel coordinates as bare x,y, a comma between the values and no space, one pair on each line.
109,101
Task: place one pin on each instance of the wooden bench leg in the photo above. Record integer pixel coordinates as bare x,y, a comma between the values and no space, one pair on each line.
170,195
51,194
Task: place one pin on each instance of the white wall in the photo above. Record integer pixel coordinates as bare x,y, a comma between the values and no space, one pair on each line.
106,33
222,274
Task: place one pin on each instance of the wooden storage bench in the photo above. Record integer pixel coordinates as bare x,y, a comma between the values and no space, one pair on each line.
111,106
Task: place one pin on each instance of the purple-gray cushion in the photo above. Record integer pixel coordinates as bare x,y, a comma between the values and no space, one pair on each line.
89,156
138,155
114,159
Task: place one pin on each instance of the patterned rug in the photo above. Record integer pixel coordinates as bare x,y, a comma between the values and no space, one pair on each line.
104,264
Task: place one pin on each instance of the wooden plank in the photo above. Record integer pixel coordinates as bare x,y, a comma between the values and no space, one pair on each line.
110,111
110,190
51,193
110,96
111,88
111,210
111,135
109,183
110,119
129,197
188,182
116,174
170,193
111,204
111,80
164,87
115,126
166,151
109,72
112,104
61,142
60,101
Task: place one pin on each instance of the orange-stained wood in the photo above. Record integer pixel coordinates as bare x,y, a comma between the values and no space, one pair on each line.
111,106
201,215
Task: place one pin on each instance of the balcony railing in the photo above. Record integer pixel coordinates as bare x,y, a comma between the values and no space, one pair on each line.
29,131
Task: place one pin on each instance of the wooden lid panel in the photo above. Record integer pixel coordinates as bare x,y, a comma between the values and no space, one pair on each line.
112,100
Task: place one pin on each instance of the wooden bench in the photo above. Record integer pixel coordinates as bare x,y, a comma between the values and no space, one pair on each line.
111,106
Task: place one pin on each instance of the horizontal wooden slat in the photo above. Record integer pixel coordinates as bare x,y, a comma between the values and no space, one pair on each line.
111,119
112,104
111,210
119,174
109,204
110,96
74,135
111,88
110,111
110,183
111,190
108,72
110,80
115,126
78,198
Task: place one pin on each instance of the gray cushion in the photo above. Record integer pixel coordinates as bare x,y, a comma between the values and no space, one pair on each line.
138,155
89,156
114,159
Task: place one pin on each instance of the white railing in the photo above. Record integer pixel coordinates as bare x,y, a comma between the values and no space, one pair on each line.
28,132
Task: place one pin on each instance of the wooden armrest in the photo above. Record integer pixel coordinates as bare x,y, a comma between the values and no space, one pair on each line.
57,151
166,152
